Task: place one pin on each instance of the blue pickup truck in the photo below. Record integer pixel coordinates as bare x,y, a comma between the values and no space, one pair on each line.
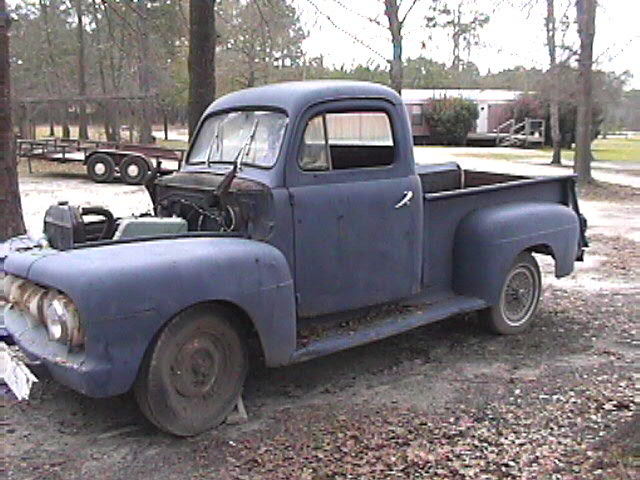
299,205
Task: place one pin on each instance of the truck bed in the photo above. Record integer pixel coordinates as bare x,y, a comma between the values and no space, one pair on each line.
451,193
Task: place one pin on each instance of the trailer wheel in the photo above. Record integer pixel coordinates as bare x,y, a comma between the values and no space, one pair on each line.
519,298
134,170
101,168
192,376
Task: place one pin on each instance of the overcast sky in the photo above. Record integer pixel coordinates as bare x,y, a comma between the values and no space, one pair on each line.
514,35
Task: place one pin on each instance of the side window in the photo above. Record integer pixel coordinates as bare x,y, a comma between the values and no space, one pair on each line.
346,140
416,112
315,154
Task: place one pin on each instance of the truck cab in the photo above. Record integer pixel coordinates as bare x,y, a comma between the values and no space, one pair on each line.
298,205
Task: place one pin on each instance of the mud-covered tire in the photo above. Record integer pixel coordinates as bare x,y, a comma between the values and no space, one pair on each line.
519,298
134,170
192,376
101,168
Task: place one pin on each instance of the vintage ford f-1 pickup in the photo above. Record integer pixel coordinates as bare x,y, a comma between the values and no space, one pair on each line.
298,204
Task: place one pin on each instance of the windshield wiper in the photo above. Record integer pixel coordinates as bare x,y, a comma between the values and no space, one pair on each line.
216,142
244,151
224,185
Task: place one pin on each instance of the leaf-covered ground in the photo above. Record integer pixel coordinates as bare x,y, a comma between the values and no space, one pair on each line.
447,401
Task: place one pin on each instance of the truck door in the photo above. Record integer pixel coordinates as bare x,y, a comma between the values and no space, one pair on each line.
357,209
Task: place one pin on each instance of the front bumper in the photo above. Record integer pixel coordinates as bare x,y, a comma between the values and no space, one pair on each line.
76,370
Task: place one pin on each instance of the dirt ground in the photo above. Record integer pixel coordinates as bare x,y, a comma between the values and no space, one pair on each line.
448,400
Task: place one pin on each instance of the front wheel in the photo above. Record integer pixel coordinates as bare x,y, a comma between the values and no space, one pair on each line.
519,298
192,377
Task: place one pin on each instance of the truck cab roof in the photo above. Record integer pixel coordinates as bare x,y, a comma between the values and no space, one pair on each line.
294,97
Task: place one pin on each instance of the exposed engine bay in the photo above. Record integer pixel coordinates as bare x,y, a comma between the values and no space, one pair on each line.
183,203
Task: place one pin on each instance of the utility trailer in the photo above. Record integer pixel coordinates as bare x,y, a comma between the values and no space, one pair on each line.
103,160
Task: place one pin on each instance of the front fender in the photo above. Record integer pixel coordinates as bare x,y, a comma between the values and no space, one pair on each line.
488,240
126,292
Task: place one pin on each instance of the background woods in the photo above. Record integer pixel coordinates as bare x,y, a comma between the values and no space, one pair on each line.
122,66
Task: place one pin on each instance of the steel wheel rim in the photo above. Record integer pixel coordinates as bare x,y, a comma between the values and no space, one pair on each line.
133,170
100,168
195,367
519,294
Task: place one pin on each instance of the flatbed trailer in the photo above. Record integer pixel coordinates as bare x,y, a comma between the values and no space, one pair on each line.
103,160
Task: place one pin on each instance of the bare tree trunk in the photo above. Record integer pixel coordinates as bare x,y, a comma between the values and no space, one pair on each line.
66,131
107,105
586,10
554,104
52,121
83,132
144,72
23,120
11,221
391,10
114,71
251,69
556,138
202,49
457,34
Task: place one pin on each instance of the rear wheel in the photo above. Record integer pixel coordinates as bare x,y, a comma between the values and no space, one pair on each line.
192,377
519,298
134,170
100,168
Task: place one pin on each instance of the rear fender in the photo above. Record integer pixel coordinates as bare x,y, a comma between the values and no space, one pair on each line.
488,240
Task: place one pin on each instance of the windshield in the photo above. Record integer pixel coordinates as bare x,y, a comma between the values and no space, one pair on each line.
247,137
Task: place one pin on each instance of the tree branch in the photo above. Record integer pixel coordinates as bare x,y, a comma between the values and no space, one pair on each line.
406,14
353,37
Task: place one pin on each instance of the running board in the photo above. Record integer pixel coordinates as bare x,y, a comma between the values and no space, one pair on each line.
392,325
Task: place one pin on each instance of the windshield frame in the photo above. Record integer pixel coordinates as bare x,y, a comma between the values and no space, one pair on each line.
250,108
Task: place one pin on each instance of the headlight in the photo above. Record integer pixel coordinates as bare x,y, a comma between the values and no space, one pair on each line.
6,285
61,318
15,289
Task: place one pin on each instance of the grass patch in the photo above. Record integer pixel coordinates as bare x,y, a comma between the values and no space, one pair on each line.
604,150
490,155
617,149
609,150
173,144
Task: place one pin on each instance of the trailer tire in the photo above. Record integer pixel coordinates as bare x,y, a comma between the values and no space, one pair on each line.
101,168
134,170
519,298
192,375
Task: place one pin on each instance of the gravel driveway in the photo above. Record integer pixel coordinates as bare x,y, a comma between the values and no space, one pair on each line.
445,401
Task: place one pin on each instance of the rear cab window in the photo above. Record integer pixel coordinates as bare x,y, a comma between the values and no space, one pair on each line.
347,140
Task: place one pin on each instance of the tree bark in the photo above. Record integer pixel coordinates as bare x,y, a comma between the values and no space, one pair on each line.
83,132
52,119
202,50
456,36
586,16
144,73
11,221
554,104
107,105
395,28
66,131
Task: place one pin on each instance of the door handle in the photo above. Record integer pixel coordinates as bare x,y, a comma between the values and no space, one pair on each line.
408,195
